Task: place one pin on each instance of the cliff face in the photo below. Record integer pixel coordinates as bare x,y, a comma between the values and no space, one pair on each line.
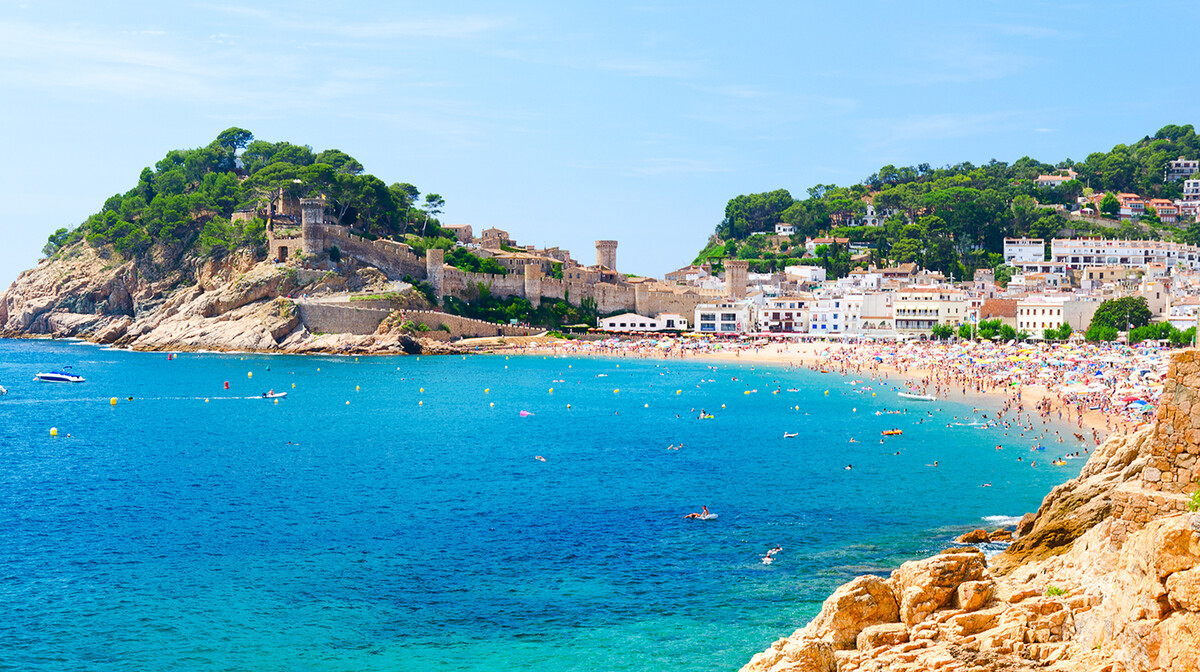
1105,576
234,303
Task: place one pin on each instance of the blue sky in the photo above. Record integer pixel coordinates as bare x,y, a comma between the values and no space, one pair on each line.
568,122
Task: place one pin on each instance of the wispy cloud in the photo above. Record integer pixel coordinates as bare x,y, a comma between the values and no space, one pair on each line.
439,27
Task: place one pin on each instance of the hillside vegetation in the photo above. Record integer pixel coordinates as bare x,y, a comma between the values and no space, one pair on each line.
954,219
183,204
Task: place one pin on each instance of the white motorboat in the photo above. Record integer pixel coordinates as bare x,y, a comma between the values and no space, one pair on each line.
274,395
3,390
917,397
63,376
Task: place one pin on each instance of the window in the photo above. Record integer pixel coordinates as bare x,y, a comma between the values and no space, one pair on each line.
710,317
728,327
729,317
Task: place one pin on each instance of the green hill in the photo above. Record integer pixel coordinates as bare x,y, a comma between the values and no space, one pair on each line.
954,219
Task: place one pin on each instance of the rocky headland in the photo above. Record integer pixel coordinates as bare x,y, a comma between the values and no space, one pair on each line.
233,303
1105,576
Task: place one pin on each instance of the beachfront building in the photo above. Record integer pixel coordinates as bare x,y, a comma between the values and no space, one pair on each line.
876,315
785,314
919,309
1050,311
635,322
1081,252
827,315
1024,249
726,318
1182,314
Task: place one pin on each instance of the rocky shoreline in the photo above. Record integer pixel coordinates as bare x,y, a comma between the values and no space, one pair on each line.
1105,576
236,303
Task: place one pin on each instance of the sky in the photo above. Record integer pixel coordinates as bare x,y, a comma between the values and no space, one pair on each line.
564,123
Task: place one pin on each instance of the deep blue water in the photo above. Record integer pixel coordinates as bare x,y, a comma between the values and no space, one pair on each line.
413,530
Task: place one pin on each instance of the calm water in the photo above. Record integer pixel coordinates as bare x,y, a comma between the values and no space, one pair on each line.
174,533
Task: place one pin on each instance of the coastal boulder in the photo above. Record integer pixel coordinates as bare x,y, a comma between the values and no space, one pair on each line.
974,537
973,595
924,586
865,601
794,655
883,634
1183,589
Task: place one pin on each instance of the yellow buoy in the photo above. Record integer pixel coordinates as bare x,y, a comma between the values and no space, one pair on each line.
422,390
827,393
645,405
872,394
112,402
552,390
293,386
617,391
678,391
854,410
54,431
722,405
491,404
487,390
418,359
206,400
249,374
356,388
568,406
420,403
318,368
506,365
347,402
276,402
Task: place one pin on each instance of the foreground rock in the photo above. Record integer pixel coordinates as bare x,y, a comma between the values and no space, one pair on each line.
1104,577
236,303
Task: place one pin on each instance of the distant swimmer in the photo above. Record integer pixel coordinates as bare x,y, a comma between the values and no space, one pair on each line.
852,440
999,447
848,467
775,550
539,458
986,485
935,463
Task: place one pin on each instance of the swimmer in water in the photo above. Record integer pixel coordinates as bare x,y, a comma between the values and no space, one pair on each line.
848,467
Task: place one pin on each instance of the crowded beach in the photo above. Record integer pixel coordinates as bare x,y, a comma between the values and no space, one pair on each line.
1099,388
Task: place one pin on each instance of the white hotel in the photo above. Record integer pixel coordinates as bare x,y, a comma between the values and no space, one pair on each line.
1080,252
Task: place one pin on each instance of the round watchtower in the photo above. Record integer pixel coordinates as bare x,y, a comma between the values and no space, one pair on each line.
736,271
312,215
606,254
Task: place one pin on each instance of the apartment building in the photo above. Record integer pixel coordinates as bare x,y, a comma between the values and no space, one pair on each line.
1081,252
1182,168
1038,312
919,309
727,318
1024,249
785,314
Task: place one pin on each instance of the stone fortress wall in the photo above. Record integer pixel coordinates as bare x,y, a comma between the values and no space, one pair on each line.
398,260
1173,460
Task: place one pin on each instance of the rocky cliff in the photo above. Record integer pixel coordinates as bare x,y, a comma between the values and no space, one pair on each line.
1104,576
236,302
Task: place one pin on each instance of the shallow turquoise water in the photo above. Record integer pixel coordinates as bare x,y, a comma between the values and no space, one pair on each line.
177,534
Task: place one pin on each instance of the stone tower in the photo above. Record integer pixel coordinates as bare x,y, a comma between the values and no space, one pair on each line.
312,215
533,284
606,254
435,271
735,278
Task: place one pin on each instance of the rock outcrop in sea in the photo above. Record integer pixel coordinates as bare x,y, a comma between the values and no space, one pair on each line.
1104,577
234,303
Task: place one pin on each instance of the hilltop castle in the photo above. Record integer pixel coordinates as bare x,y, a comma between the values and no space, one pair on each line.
298,225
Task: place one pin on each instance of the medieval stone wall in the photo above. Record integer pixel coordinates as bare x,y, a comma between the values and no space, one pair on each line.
396,260
326,318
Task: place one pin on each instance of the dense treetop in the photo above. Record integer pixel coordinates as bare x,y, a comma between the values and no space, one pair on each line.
954,219
184,203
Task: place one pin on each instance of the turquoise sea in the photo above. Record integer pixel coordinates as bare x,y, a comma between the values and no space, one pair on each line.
194,528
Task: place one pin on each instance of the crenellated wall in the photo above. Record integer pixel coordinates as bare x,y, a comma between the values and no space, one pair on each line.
394,259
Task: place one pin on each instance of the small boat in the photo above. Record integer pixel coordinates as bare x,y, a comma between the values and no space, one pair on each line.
59,376
791,436
274,395
892,432
917,397
3,390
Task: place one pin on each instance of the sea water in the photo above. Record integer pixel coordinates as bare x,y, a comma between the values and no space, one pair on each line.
390,512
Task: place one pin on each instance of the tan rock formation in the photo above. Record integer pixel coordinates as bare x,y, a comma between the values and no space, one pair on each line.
232,303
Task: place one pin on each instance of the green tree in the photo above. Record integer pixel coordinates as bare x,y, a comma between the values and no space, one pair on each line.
1121,314
1109,205
942,332
432,207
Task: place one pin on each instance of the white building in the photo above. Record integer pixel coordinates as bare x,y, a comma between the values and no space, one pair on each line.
635,322
1038,312
784,229
785,314
827,315
809,274
1080,252
1024,249
734,317
1182,168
